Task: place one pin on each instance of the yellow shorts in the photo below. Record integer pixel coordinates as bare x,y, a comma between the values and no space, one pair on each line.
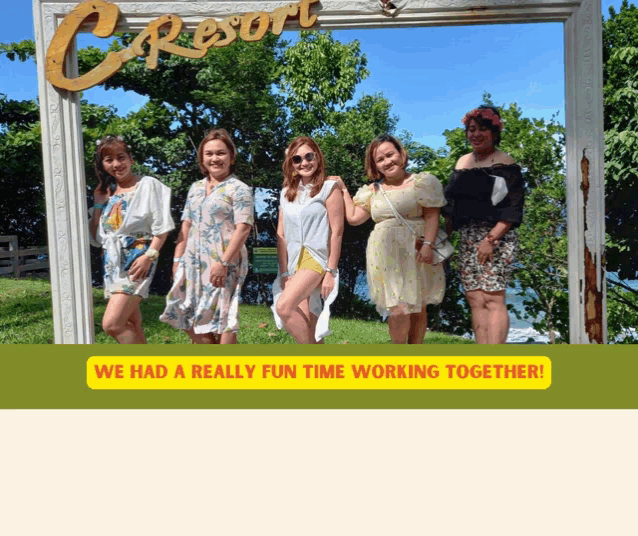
307,262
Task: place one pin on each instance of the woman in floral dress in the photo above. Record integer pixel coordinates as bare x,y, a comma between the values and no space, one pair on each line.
211,260
130,221
401,279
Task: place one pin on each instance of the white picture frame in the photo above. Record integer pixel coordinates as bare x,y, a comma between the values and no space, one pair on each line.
65,184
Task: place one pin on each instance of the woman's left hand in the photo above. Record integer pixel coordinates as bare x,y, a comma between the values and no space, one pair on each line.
484,251
218,274
140,267
425,254
327,285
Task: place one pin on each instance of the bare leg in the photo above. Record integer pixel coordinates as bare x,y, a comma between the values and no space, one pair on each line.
480,316
498,323
312,319
228,337
203,338
123,320
399,327
135,321
418,327
295,320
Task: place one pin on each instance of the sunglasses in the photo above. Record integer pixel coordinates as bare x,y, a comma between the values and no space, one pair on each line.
308,156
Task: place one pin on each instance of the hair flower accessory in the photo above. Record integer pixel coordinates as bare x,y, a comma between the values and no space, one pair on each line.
486,114
108,138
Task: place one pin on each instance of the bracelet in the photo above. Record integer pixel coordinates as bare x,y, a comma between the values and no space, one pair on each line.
285,274
332,271
178,259
491,239
98,206
152,254
426,243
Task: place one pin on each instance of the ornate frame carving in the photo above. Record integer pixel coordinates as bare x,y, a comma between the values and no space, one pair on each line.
63,149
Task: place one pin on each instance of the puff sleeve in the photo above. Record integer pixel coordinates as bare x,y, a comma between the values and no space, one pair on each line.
429,191
363,198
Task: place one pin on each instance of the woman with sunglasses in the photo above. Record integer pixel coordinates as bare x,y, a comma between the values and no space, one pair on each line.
309,233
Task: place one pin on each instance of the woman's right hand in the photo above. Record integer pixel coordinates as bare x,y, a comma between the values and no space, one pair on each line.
284,280
340,184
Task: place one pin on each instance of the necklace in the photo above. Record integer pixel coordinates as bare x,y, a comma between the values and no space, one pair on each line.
484,158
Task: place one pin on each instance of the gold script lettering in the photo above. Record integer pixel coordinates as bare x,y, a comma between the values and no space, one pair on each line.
108,14
304,10
207,28
247,21
280,15
165,43
227,28
208,33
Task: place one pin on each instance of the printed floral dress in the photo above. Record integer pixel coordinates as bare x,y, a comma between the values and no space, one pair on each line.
116,267
474,214
193,301
399,284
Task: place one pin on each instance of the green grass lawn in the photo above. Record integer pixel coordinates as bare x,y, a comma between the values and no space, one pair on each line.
26,317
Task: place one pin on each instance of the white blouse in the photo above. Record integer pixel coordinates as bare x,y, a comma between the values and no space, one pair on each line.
306,225
149,211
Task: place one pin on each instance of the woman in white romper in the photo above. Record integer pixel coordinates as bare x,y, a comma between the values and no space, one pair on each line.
309,233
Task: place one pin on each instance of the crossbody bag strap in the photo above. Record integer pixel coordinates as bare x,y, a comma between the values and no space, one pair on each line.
396,212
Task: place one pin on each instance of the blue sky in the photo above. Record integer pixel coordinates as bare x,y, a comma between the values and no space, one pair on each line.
432,76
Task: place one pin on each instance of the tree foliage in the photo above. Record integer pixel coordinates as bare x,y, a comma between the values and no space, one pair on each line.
620,101
318,77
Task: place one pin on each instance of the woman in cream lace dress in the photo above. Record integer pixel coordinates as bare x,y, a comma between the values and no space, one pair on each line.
402,280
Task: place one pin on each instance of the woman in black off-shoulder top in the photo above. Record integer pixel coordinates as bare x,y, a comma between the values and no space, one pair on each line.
485,204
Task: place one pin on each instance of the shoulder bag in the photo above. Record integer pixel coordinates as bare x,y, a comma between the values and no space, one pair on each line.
442,247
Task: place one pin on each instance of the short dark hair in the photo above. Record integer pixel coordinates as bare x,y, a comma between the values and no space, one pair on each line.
483,122
216,134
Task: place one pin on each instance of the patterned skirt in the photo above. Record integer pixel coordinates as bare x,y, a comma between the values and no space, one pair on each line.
492,276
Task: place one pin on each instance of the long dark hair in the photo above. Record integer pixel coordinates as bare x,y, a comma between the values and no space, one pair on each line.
106,145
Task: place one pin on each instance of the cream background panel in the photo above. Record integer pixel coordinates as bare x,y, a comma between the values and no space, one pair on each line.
296,472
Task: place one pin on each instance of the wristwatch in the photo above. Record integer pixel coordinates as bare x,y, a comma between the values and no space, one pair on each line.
224,263
152,254
333,271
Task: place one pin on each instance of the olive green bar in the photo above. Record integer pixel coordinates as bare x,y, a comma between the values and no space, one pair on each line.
54,377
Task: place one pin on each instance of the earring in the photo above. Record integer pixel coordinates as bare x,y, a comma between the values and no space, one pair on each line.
294,173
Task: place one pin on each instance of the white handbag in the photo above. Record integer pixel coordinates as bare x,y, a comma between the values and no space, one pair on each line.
442,248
